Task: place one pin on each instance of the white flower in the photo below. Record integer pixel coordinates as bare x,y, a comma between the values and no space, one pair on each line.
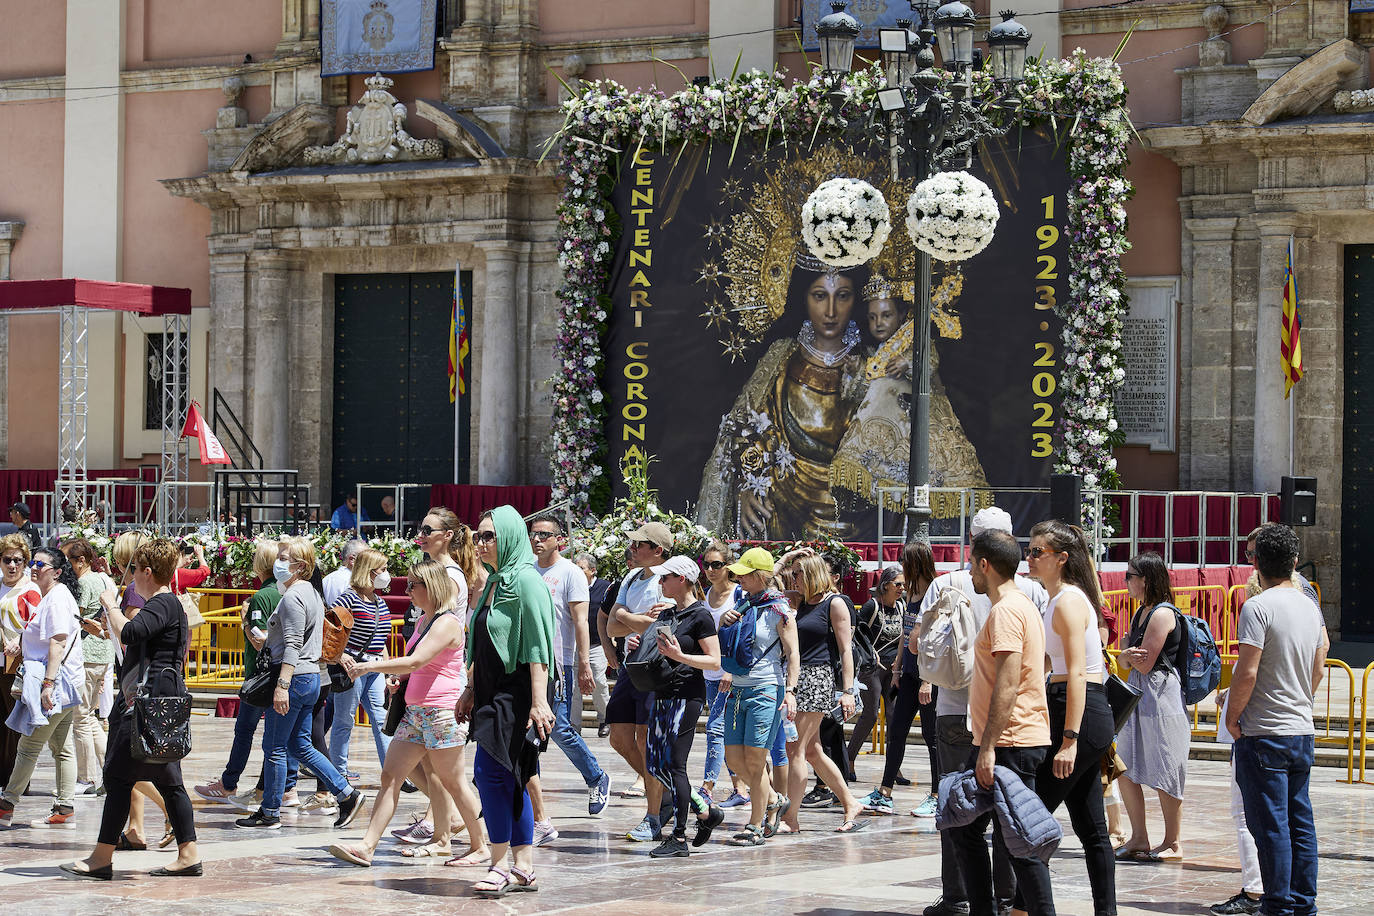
845,222
952,216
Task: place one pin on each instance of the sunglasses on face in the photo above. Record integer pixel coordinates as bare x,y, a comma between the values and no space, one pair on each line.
1036,553
1132,574
426,531
15,560
38,564
1250,555
484,537
411,586
636,545
714,564
542,536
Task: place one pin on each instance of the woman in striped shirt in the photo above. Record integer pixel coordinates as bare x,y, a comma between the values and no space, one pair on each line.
366,643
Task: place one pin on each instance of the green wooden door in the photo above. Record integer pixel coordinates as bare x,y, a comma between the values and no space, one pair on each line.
1357,466
393,422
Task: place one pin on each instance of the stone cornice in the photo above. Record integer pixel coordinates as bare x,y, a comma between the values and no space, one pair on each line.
157,79
221,190
1146,17
1191,144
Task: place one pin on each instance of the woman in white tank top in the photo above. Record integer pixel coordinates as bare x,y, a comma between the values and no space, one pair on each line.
1081,723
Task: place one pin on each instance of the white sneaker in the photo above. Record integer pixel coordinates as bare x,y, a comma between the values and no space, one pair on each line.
317,804
544,833
419,834
248,802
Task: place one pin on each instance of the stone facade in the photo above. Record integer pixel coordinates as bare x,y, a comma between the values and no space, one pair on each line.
1264,158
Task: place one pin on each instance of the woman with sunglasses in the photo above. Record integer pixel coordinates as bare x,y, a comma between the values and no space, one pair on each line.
153,644
434,661
720,598
52,655
1081,722
880,619
448,542
368,579
1154,742
688,638
508,696
19,598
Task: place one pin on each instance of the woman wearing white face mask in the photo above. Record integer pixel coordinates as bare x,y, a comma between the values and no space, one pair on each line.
366,643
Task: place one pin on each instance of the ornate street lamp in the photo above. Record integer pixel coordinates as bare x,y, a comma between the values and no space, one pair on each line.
837,32
1007,42
932,123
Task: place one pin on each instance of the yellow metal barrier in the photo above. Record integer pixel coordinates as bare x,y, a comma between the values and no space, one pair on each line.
215,657
1364,719
1326,737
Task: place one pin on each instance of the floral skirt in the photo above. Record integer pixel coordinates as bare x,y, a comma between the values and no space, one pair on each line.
431,727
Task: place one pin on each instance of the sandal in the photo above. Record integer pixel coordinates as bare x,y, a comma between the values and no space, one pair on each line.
749,836
490,886
354,855
524,880
125,844
773,813
632,792
428,851
168,839
851,826
471,857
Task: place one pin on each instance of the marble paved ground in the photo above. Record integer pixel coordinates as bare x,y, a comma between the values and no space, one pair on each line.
890,868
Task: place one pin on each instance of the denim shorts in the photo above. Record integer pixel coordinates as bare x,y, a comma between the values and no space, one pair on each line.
751,715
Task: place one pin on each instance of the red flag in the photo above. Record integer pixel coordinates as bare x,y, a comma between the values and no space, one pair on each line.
211,452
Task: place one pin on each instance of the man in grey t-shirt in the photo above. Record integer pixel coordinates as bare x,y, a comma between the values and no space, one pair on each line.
1282,656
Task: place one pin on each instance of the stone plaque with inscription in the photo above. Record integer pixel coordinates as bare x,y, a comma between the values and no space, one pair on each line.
1146,404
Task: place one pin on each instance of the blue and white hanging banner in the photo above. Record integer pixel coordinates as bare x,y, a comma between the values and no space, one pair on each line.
872,15
376,36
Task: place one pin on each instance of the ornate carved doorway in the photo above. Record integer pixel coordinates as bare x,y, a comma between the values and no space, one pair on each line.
393,422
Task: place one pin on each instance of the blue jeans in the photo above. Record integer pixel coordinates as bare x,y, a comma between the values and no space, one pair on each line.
289,736
715,730
367,690
245,725
565,734
1273,773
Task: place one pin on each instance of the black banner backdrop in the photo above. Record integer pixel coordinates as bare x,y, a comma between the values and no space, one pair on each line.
755,425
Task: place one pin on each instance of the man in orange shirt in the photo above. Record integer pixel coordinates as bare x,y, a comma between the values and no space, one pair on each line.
1011,720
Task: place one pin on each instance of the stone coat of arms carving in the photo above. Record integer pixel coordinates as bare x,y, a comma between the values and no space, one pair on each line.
375,132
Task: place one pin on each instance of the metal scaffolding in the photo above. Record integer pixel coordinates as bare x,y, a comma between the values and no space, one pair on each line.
176,451
74,344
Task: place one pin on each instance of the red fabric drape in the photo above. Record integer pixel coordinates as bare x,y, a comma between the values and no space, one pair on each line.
16,480
468,502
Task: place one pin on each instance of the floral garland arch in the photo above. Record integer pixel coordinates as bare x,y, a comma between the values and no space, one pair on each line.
1081,98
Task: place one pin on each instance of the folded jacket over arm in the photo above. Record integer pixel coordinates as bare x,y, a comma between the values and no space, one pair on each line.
1028,828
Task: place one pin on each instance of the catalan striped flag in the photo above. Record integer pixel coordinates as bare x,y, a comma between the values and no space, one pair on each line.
1290,345
457,341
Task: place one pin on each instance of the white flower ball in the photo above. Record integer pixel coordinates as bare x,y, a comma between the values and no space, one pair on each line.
845,222
952,216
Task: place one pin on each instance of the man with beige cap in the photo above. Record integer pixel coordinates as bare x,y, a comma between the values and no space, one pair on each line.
627,711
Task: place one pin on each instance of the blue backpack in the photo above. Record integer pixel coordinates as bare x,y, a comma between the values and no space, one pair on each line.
1198,662
738,649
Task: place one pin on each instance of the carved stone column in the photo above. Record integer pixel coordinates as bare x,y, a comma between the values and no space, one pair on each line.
227,360
1270,460
1207,362
268,314
496,366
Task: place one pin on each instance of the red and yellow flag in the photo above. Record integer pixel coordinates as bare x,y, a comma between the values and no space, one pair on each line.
457,342
1290,340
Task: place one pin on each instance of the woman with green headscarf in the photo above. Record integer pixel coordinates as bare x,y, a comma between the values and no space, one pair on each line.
510,632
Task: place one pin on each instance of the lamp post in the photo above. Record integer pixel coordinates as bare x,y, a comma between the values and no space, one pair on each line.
931,121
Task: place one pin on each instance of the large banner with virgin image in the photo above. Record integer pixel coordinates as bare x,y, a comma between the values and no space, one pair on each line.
775,393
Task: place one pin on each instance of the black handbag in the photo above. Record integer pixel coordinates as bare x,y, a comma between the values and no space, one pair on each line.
161,725
395,709
1123,699
258,687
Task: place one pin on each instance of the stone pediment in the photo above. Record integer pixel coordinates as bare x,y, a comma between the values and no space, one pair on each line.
375,133
1311,83
282,141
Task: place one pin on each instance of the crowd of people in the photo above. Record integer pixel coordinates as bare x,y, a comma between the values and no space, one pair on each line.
507,636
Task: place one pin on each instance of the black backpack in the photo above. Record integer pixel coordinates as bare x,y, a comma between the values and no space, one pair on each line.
648,669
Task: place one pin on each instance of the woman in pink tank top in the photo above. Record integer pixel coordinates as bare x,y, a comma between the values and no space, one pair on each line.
428,732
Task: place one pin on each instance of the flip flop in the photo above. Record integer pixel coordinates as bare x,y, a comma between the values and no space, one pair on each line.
1131,855
427,851
351,854
469,858
851,826
632,792
126,845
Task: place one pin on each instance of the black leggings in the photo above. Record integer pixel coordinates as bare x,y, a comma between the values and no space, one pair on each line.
1081,792
875,681
319,727
123,772
669,764
905,707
